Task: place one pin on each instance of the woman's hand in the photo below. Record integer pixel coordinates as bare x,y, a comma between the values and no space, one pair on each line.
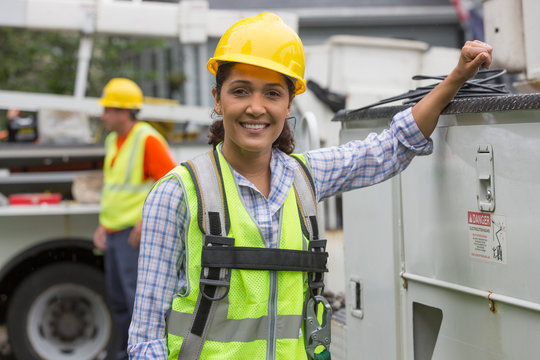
474,55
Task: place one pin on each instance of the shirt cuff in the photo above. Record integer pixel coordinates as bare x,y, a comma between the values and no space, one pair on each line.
154,349
408,133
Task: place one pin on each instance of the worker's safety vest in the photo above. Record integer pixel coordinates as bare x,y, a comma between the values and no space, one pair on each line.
243,300
125,189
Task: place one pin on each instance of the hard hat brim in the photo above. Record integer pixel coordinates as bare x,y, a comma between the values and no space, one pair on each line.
213,63
118,105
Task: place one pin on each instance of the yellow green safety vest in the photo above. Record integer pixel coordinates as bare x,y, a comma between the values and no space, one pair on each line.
124,189
243,300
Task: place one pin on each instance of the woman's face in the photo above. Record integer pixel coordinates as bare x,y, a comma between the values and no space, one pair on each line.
254,103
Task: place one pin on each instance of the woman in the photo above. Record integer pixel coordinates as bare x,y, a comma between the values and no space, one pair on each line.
185,308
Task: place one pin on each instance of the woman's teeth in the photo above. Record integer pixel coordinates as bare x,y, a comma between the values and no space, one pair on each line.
254,126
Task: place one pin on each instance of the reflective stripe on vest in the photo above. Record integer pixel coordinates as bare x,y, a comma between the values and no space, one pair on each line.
261,318
244,330
124,190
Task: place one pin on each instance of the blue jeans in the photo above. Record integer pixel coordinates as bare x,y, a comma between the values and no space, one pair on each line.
121,277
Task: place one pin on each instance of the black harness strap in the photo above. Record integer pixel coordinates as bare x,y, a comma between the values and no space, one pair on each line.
264,259
316,279
314,227
213,278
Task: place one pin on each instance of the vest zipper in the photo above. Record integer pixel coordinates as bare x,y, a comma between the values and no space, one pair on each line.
272,303
272,315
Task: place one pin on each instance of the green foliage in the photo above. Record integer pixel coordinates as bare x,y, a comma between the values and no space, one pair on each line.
36,61
120,57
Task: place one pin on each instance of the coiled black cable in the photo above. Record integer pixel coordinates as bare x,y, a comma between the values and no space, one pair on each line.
479,86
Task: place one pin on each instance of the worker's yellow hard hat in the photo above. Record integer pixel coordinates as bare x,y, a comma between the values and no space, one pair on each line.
122,93
266,41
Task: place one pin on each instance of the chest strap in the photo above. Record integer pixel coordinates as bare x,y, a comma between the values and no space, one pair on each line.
249,258
219,255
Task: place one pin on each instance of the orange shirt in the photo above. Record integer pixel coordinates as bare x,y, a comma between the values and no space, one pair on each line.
158,160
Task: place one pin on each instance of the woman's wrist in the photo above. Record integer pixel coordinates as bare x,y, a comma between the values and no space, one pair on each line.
456,78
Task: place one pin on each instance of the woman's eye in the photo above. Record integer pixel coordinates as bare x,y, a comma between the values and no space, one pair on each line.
239,91
274,93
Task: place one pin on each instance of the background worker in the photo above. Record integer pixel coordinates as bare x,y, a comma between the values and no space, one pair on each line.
259,69
136,156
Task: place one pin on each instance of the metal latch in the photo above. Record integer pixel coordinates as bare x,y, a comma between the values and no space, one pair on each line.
356,294
318,334
485,194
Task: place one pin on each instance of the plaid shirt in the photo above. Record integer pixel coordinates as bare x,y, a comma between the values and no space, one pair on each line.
161,272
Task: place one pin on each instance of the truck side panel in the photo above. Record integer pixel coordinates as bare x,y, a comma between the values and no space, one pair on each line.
22,232
472,252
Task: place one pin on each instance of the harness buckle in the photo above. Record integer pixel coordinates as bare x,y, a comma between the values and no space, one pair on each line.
316,279
214,279
317,334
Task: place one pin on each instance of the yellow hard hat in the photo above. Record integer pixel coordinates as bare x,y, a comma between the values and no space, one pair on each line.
266,41
121,93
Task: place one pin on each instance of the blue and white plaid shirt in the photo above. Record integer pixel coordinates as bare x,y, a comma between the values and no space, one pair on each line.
162,258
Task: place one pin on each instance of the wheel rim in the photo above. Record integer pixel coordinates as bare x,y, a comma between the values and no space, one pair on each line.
67,322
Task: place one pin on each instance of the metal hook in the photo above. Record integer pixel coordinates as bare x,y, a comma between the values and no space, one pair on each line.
318,334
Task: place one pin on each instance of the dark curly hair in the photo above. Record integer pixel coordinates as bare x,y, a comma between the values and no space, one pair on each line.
285,141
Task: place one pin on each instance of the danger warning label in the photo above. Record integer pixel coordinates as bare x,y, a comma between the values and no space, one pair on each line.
487,237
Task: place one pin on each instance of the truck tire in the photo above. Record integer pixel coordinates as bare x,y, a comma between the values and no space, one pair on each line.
60,313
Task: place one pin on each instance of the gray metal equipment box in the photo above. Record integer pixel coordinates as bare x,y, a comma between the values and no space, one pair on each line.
442,261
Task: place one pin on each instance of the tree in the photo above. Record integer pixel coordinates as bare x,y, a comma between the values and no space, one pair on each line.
46,62
37,61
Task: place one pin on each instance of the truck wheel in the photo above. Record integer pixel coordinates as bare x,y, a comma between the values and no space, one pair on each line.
60,313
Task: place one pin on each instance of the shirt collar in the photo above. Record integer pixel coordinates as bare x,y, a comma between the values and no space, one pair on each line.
282,169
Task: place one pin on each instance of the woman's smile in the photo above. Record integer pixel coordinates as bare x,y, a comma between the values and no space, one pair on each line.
254,126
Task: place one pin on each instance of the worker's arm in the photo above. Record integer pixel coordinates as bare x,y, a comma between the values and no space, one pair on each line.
158,160
161,273
474,54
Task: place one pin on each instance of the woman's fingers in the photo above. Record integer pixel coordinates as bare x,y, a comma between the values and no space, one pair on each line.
474,55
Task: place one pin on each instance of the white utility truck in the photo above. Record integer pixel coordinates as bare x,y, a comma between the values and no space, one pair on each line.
441,260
